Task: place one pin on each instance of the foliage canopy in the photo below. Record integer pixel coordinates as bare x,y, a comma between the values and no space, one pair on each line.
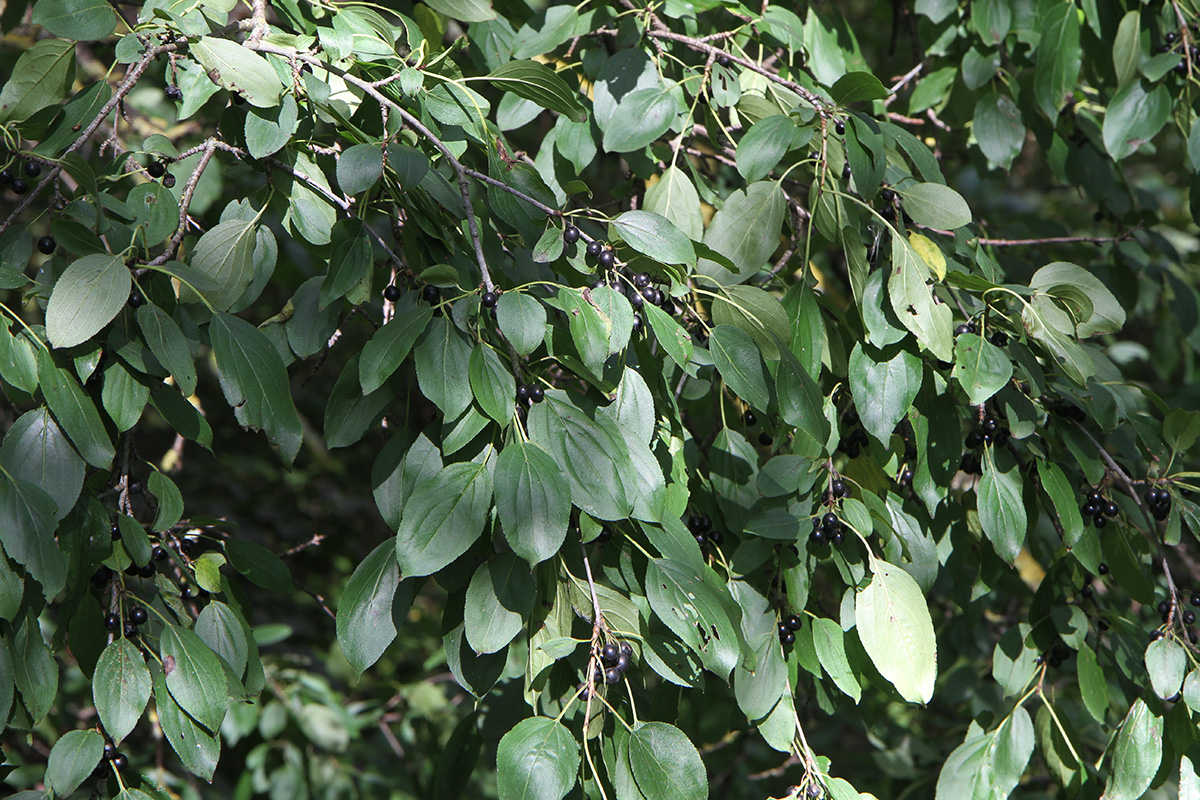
762,399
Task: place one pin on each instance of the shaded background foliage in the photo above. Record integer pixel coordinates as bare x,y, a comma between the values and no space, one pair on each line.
1027,172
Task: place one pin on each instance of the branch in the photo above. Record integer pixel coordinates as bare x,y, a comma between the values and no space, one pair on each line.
185,202
131,79
703,47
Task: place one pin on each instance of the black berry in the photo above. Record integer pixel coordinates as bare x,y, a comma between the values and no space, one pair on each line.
1102,568
716,537
840,126
637,322
999,338
830,522
1086,591
961,329
606,534
522,393
788,639
6,176
570,234
764,439
605,259
112,622
537,394
120,761
137,615
136,299
750,419
1164,607
609,654
641,280
158,554
33,169
431,293
794,622
724,60
1189,617
156,169
46,245
887,194
130,630
623,663
173,93
838,487
168,180
612,675
488,300
20,186
593,248
391,293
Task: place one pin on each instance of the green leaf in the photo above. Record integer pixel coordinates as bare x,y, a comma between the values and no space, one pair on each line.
499,600
359,168
443,360
1136,754
746,231
522,320
536,760
912,300
36,451
123,396
533,501
86,297
887,387
674,197
365,620
1166,663
224,255
666,764
349,260
1180,429
998,129
801,405
120,688
259,565
1058,58
1013,748
1001,509
757,313
168,344
857,87
222,629
697,607
537,82
981,368
238,69
27,532
641,116
198,750
935,205
831,650
75,412
72,760
41,77
82,20
492,383
897,632
765,144
589,455
737,358
590,328
655,236
194,676
255,382
269,129
390,345
348,414
1126,49
1095,309
1134,116
669,333
1056,485
1093,684
170,501
443,517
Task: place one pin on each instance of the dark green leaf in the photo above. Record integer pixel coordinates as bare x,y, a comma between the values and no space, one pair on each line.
41,77
655,236
194,676
390,346
36,451
259,565
887,385
359,167
349,260
443,517
935,205
1134,116
737,358
27,533
746,231
492,383
998,129
537,760
1001,509
443,360
365,624
120,688
1058,58
981,368
238,69
255,382
537,82
533,501
1136,754
666,764
168,344
197,749
499,600
348,414
765,144
71,760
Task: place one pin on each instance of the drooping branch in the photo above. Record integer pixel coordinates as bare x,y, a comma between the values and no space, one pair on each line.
131,79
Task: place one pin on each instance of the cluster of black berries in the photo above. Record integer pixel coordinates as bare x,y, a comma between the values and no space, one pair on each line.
827,528
751,420
989,431
530,394
971,464
890,204
787,630
1173,42
614,662
136,616
1159,502
173,93
113,759
16,176
702,528
854,438
1099,508
1056,657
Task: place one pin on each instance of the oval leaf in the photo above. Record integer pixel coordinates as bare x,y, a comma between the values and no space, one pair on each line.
86,298
897,632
